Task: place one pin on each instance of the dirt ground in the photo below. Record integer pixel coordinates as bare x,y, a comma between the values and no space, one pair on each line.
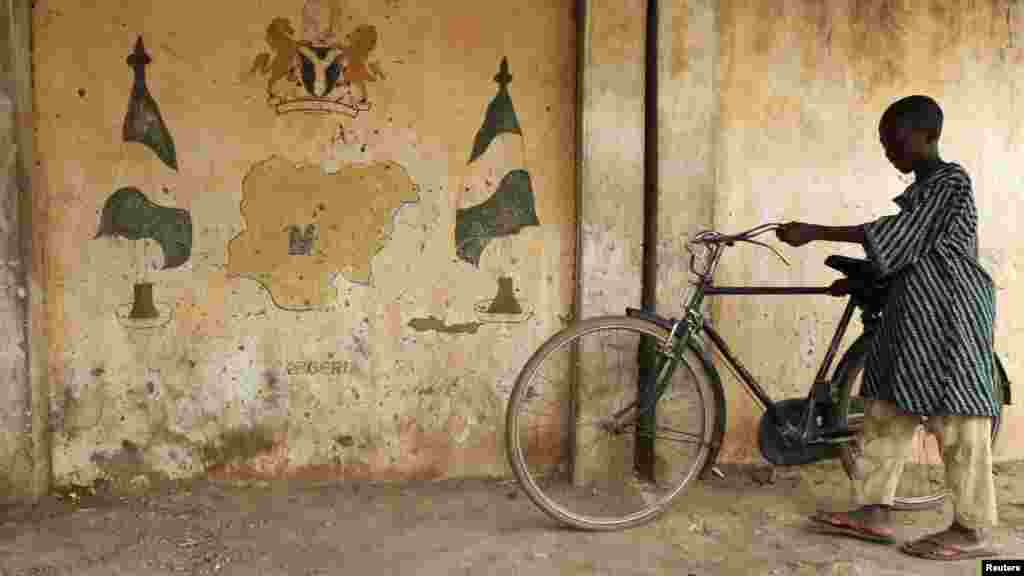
747,523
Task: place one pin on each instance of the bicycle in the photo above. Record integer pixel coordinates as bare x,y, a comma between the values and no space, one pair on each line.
795,431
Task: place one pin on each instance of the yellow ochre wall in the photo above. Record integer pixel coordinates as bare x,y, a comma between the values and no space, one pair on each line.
377,350
369,348
801,86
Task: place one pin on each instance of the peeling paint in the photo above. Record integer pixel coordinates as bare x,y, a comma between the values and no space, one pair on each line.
237,447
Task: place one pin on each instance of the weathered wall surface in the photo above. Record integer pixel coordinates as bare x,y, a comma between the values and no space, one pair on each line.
801,88
15,444
350,264
18,475
612,173
687,124
611,210
355,219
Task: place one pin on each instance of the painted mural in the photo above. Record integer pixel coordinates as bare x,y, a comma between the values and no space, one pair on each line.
505,307
129,214
143,122
435,324
497,204
511,207
303,227
256,255
317,72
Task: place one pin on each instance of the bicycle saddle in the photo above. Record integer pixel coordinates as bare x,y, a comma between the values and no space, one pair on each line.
853,267
867,289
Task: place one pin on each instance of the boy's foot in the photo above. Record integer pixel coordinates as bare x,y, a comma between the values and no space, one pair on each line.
867,523
953,543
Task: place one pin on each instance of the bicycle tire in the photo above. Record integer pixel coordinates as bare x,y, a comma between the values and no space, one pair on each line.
850,367
710,407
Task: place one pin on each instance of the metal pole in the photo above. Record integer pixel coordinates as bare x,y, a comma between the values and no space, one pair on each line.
648,298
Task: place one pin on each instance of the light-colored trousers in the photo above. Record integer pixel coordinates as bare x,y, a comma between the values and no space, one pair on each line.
965,444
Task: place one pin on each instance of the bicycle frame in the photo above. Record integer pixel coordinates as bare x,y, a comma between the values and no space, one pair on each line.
694,322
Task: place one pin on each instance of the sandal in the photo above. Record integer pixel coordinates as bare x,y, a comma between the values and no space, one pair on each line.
842,524
938,547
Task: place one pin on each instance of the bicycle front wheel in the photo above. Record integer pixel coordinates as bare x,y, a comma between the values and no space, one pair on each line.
922,483
581,440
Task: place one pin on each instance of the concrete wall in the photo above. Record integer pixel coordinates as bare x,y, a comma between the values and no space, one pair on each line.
367,346
371,345
768,112
612,173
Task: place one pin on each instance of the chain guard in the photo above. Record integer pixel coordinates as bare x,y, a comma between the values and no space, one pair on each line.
787,450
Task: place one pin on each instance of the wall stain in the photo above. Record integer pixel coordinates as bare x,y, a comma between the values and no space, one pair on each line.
875,40
1011,33
680,32
121,467
237,446
878,41
271,378
816,33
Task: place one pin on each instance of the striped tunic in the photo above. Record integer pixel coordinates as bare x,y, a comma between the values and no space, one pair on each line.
932,351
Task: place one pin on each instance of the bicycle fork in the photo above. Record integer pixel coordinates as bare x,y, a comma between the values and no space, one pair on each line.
666,359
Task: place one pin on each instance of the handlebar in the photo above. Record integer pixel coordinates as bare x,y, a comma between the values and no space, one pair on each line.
715,241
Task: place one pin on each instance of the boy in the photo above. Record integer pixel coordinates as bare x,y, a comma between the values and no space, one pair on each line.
932,353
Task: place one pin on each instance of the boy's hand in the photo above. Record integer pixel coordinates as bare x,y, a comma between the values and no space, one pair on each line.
796,233
840,287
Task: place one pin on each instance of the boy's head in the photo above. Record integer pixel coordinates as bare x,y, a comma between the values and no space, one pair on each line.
910,130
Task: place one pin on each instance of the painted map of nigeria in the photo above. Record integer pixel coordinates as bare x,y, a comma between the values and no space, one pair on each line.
302,227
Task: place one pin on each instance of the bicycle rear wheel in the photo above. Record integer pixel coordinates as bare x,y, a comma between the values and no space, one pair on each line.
922,484
564,446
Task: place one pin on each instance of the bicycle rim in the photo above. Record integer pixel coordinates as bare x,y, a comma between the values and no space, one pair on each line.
569,458
922,484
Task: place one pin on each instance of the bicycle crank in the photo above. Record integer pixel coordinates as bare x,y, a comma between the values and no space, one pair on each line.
779,436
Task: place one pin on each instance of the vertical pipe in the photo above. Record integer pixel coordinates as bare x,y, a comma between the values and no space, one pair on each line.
650,246
648,294
577,307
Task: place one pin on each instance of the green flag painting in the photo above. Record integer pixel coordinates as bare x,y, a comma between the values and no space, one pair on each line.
511,207
143,123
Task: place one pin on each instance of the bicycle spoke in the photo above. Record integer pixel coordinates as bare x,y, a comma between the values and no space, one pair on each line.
693,438
581,417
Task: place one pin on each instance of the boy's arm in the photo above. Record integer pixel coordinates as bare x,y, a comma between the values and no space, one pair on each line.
851,234
799,233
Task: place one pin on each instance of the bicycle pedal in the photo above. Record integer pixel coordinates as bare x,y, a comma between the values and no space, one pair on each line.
838,438
838,433
717,472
